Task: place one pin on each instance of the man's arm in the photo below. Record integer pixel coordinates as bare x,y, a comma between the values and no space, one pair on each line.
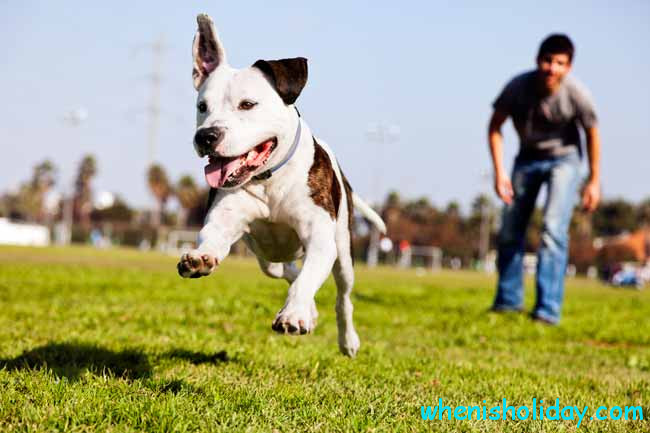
591,192
502,184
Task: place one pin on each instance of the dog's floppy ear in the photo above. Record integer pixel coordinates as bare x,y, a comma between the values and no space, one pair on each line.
207,51
288,76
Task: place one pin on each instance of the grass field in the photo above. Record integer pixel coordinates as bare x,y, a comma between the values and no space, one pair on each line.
116,341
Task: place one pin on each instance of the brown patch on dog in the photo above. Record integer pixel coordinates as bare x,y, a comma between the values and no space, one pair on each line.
288,76
323,184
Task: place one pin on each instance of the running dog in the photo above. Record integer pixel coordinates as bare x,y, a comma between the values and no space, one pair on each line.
273,184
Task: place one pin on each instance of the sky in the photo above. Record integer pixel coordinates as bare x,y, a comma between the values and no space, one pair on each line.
426,71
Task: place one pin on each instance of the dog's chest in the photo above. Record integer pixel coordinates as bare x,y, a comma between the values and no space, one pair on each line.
277,242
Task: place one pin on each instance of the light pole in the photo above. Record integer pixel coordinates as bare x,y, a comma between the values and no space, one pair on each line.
72,118
158,49
484,234
378,134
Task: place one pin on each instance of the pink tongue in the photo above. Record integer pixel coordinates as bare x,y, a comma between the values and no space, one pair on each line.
216,173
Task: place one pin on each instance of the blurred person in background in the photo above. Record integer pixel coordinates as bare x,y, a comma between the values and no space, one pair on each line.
548,107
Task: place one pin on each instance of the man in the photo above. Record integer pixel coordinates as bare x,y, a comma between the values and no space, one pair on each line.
547,107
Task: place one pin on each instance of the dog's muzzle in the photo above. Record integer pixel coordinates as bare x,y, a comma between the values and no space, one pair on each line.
206,139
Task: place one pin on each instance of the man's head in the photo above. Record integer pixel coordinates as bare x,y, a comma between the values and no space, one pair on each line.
554,60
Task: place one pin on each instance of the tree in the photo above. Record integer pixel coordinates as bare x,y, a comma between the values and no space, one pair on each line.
614,217
643,213
480,222
420,210
449,233
161,190
188,195
29,202
452,210
44,176
10,206
392,200
119,211
83,205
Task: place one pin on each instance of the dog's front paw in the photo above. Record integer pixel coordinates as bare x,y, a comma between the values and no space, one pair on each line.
196,265
295,319
349,343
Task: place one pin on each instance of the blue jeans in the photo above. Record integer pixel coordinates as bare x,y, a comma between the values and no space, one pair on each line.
563,176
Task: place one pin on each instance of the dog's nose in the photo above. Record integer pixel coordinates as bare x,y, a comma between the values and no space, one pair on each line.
207,138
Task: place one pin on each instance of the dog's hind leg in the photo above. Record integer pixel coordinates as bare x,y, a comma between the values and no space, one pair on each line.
288,270
343,271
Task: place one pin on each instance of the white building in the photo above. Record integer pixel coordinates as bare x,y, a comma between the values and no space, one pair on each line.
23,234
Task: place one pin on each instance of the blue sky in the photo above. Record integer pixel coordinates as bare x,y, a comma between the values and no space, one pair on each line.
430,68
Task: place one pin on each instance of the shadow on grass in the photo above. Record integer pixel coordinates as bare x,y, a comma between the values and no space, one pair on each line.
197,358
370,299
179,386
72,359
172,386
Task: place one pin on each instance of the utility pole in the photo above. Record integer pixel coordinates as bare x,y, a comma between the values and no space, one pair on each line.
157,50
484,234
63,230
379,134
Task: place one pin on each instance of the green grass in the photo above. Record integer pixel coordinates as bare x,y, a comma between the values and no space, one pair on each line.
116,341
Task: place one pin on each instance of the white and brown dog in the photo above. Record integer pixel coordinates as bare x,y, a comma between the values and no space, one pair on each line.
273,184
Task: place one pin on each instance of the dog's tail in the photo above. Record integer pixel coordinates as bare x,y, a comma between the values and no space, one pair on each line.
368,212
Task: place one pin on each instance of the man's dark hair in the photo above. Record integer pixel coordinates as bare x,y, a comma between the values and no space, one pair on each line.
556,44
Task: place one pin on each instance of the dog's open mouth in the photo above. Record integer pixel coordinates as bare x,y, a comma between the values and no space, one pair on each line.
224,171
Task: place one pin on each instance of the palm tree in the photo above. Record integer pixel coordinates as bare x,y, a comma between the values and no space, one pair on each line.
83,193
32,194
643,213
160,188
188,196
44,175
392,200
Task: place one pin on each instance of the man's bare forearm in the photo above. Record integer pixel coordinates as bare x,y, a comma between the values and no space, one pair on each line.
495,140
496,150
593,151
502,184
591,192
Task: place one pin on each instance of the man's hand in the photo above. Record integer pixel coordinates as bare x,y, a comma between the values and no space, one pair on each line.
591,196
503,188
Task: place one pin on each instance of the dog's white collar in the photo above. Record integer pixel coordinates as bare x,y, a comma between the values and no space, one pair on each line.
268,173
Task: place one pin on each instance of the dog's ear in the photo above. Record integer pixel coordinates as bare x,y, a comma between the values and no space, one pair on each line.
207,51
288,76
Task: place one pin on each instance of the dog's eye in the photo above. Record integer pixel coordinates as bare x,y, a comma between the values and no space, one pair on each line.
246,104
202,107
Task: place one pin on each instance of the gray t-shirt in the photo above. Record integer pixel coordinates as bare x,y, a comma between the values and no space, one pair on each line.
547,125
